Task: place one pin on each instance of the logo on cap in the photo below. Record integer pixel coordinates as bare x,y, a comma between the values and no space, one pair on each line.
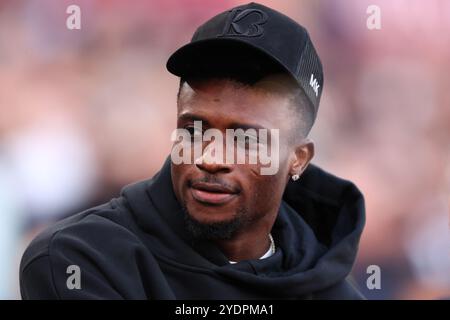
314,84
238,23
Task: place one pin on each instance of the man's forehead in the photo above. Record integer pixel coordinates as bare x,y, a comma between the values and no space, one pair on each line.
212,89
216,119
228,102
270,91
278,83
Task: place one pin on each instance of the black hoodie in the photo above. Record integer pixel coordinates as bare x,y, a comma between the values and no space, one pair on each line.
136,247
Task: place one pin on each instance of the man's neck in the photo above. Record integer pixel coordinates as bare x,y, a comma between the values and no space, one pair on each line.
248,244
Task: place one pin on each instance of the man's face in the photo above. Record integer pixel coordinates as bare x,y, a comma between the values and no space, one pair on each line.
229,195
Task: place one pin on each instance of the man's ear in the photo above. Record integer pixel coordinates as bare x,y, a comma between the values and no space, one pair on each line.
302,155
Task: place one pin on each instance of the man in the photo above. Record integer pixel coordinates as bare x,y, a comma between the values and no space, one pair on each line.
209,226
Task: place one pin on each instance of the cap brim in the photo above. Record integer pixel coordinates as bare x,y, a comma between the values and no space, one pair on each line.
209,55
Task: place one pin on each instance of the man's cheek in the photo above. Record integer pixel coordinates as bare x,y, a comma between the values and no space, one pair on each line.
259,178
179,174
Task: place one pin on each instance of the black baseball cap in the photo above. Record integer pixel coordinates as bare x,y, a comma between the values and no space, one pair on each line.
255,39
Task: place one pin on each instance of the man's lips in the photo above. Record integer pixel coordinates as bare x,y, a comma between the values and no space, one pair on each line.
212,193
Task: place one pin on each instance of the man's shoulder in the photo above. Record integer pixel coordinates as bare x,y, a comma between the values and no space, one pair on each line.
93,227
101,243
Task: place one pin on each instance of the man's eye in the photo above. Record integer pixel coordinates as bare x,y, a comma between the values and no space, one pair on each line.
242,137
193,131
247,141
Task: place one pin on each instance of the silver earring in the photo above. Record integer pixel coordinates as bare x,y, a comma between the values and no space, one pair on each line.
295,177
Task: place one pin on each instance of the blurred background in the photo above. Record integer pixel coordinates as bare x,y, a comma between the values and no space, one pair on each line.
85,112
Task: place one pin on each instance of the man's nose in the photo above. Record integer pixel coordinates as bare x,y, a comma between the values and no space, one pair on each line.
213,160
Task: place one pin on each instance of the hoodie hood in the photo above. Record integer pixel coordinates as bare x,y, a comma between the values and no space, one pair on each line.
316,233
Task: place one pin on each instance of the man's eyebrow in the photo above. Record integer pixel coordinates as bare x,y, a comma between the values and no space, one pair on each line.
192,117
187,116
245,126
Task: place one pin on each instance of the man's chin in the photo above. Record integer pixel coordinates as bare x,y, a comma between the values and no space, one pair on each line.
208,216
210,226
